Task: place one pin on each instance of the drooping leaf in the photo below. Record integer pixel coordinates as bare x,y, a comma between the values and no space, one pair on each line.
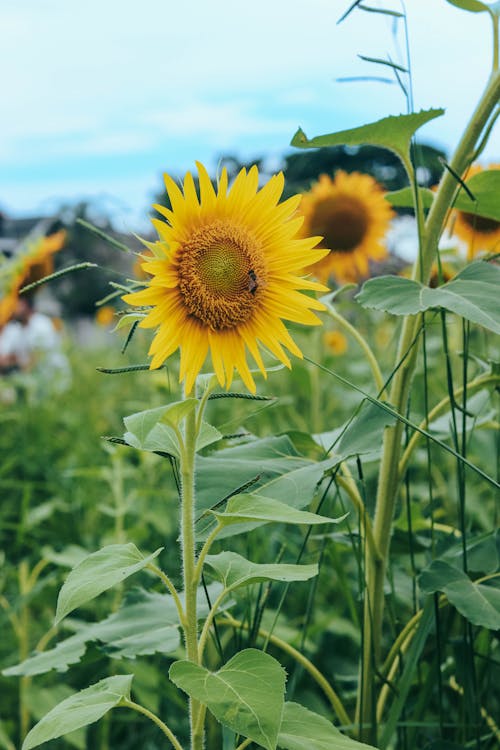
255,507
60,657
473,6
302,729
364,434
98,572
393,133
80,710
484,186
477,602
246,694
233,570
472,294
146,623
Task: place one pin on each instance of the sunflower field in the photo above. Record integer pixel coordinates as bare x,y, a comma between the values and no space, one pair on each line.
259,508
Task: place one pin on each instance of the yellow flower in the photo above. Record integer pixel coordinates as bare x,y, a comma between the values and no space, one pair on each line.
350,212
30,264
225,275
336,342
478,232
105,316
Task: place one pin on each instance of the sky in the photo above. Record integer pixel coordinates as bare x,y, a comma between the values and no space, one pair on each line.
98,98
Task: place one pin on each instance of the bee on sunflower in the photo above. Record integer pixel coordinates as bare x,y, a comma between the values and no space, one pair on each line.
479,233
352,215
226,273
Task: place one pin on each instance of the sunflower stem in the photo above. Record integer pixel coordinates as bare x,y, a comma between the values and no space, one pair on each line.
389,476
188,544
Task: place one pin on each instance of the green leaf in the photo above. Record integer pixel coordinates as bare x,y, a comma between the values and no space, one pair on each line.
154,429
41,700
253,507
98,572
364,434
233,570
472,294
246,694
60,657
484,186
477,602
393,133
146,623
79,710
473,6
302,729
207,435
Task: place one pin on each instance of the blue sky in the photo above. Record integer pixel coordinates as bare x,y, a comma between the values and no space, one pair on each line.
100,97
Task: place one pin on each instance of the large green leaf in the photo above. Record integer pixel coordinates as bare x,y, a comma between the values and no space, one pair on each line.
60,657
279,472
473,6
484,186
233,570
473,294
477,602
246,694
155,429
146,623
254,507
302,729
80,710
393,133
98,572
41,700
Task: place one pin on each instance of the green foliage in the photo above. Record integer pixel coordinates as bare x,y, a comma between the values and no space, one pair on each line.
233,570
472,294
483,187
99,572
80,710
302,729
477,602
393,133
246,694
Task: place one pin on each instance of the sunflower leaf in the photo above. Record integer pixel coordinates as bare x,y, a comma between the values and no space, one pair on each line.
484,186
234,571
472,294
393,133
99,572
80,710
473,6
302,729
246,694
254,507
477,602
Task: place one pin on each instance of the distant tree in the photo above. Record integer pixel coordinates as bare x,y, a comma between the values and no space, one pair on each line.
302,168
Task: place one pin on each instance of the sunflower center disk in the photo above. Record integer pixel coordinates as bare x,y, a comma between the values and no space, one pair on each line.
480,223
342,221
221,275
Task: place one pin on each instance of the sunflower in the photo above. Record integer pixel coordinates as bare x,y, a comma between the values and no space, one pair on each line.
225,275
32,262
478,232
353,216
336,342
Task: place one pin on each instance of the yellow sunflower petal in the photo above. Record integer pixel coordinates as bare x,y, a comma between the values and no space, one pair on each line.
228,272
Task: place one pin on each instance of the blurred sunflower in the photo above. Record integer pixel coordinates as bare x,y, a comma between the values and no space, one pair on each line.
225,275
478,232
30,264
350,212
336,342
105,316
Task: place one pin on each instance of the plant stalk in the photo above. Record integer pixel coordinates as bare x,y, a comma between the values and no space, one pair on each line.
388,484
188,544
